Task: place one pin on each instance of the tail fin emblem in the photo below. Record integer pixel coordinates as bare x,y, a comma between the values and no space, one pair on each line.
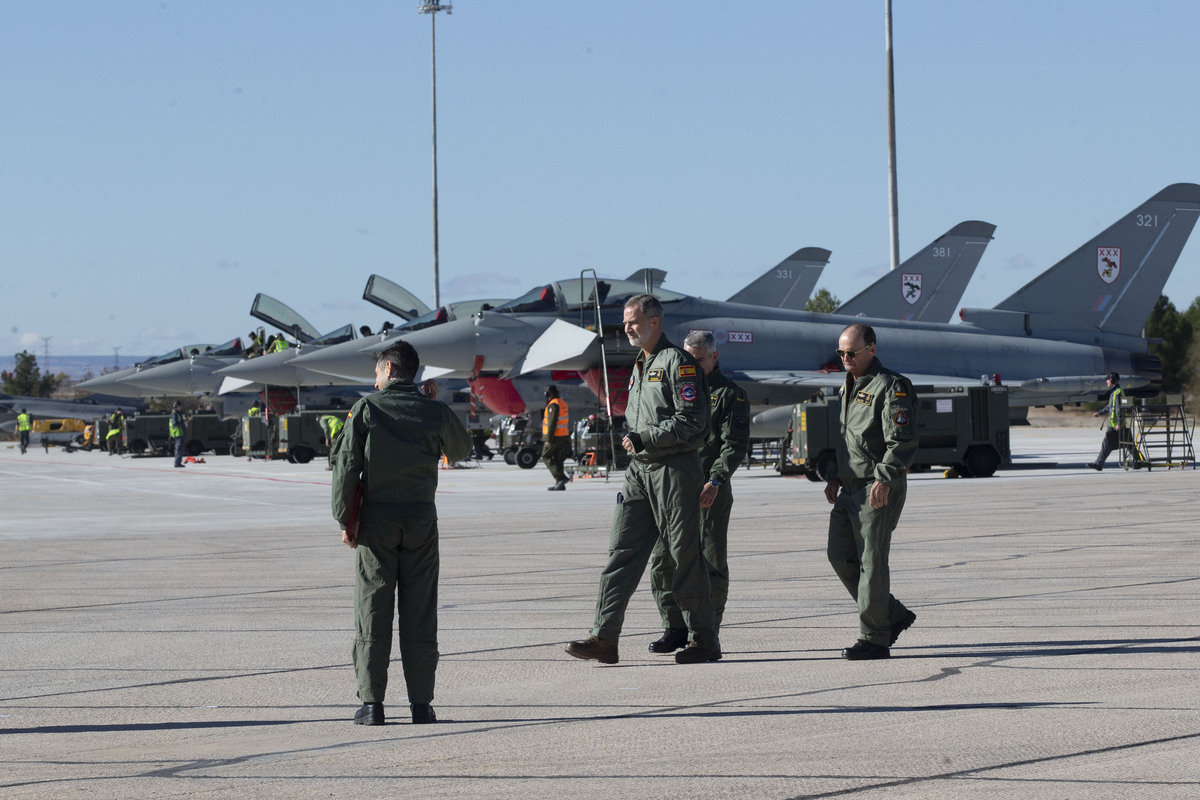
1108,263
910,287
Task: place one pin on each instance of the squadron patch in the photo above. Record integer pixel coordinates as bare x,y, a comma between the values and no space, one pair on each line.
864,397
687,371
655,375
688,393
712,401
901,417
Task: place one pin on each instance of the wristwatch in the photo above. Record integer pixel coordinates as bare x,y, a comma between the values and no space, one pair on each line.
715,483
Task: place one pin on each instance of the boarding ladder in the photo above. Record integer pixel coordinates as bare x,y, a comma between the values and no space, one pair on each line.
1156,435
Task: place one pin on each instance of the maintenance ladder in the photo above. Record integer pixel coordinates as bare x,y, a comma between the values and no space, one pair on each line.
1156,435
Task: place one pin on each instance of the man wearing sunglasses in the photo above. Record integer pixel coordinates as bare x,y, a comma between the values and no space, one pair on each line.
877,446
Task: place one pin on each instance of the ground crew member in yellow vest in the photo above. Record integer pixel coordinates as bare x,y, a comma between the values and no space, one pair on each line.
177,430
725,447
387,456
254,410
116,430
280,344
877,445
1112,424
667,416
24,426
556,437
331,425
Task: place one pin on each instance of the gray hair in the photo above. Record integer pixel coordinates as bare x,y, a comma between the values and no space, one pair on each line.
700,340
646,303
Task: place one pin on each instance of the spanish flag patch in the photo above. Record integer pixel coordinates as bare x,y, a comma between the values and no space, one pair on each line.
687,371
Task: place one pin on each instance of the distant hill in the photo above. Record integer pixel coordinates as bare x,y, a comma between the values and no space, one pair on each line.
75,366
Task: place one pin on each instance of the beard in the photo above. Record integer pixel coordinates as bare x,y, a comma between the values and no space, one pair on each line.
634,340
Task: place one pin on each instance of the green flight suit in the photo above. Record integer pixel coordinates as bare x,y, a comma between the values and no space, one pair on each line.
878,442
667,415
390,448
725,447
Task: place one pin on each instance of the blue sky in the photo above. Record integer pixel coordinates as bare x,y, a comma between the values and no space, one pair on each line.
163,161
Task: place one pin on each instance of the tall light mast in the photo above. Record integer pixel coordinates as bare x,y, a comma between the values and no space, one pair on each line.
894,215
431,8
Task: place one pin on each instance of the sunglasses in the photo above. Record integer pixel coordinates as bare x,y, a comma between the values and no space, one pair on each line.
852,353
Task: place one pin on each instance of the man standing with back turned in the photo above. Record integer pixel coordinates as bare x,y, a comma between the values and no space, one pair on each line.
724,448
877,445
667,416
384,477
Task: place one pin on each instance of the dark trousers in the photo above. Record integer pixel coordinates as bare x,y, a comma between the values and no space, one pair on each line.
860,539
554,453
397,563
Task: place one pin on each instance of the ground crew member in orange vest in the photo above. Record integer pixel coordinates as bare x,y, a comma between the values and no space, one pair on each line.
556,437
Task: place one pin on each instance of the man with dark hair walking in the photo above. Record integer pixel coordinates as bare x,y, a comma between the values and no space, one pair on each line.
385,466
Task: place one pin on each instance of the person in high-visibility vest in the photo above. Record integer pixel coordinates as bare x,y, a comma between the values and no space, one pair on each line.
1112,425
116,426
556,437
176,428
280,344
331,425
24,425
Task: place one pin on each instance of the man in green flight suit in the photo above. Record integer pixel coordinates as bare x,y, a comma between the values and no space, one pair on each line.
726,445
385,474
667,415
1112,425
877,445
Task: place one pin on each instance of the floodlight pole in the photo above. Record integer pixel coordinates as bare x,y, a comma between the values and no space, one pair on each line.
431,8
891,96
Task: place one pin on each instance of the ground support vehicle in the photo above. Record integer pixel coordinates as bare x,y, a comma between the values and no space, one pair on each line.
148,435
208,432
519,439
594,447
258,437
965,428
301,437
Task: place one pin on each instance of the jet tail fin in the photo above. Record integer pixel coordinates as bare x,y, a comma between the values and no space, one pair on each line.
1103,292
929,285
789,283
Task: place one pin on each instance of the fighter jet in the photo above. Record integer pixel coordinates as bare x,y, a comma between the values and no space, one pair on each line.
928,285
785,285
1052,342
115,383
48,408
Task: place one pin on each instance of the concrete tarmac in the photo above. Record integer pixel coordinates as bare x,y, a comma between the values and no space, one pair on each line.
186,633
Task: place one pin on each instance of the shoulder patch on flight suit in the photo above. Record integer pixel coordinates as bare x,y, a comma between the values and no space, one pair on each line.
712,400
656,375
687,371
900,393
864,397
901,417
687,392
